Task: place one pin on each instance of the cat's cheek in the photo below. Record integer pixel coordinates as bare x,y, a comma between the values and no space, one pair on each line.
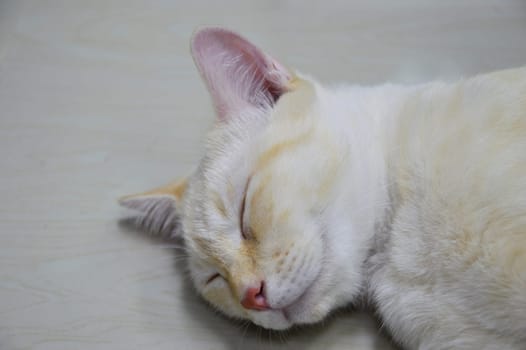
294,268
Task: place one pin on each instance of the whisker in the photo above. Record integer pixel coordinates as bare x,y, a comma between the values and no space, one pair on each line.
245,325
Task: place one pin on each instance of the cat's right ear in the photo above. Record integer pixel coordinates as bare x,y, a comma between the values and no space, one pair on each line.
158,208
238,74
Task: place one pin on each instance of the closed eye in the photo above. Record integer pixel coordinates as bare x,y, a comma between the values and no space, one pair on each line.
212,278
241,215
242,212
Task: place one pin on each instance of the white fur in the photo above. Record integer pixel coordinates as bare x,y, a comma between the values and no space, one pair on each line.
425,216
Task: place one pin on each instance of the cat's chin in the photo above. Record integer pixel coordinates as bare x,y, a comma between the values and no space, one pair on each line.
277,319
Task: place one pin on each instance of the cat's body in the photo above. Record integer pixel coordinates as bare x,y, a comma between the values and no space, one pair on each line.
311,198
451,269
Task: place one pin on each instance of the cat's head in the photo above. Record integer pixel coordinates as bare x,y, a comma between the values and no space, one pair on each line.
255,215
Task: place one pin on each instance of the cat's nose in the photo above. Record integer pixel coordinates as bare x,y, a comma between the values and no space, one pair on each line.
254,298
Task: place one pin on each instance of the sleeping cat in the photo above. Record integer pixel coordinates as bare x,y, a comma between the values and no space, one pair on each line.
310,198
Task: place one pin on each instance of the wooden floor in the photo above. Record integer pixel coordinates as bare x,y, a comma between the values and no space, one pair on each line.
100,98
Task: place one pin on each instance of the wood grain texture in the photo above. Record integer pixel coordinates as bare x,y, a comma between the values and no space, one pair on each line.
100,99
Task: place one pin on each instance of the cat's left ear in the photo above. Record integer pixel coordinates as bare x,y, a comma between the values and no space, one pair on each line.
158,208
237,73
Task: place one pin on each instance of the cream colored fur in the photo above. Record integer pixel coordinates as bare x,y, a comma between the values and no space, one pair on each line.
412,198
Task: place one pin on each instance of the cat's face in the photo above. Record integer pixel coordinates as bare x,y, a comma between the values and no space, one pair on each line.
252,215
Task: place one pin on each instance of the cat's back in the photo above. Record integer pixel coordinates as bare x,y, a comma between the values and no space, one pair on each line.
462,147
459,230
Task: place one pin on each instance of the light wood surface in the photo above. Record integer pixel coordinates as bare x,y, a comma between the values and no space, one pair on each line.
100,99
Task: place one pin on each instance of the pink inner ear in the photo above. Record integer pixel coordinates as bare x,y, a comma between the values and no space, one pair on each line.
237,73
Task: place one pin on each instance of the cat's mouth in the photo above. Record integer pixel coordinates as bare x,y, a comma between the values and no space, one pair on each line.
294,312
285,317
305,308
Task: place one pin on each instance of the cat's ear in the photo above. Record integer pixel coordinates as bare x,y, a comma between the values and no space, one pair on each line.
158,208
237,74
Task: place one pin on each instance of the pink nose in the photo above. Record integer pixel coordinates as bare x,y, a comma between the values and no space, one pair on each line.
254,298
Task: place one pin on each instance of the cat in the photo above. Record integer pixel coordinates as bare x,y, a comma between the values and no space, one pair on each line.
311,197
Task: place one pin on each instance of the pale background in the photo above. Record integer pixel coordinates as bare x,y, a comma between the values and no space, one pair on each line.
101,98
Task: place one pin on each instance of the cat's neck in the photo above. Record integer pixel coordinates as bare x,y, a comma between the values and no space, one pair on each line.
360,216
367,118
